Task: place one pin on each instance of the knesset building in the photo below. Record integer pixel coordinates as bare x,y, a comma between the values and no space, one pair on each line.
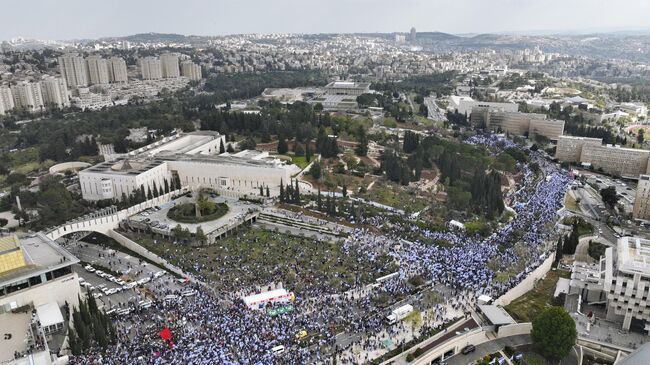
193,159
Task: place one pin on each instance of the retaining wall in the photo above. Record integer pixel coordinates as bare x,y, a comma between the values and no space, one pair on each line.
527,284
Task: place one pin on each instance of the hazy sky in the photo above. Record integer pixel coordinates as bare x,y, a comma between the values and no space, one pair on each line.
68,19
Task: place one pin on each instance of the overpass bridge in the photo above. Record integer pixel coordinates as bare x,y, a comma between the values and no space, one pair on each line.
107,219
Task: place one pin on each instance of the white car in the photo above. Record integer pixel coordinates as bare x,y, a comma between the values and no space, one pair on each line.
158,274
143,281
120,282
89,268
129,285
97,295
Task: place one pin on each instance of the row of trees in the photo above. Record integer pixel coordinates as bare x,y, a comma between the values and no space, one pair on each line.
290,194
92,328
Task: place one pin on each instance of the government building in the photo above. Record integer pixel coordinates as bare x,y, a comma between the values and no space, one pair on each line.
194,160
614,160
621,279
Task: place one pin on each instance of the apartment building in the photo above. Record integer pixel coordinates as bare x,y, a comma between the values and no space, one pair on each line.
28,95
55,92
117,72
74,70
97,70
6,99
170,66
150,68
569,148
191,70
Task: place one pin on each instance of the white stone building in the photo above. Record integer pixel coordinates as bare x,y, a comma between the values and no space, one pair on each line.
193,159
28,95
74,69
621,279
117,70
191,70
150,68
55,92
169,65
97,70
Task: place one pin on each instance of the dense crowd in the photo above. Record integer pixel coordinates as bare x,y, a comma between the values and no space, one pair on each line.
210,331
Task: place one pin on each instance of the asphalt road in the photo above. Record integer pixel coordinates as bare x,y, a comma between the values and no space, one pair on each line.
132,268
488,348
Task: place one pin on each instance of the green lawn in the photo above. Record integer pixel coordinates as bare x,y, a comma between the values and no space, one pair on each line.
529,305
300,161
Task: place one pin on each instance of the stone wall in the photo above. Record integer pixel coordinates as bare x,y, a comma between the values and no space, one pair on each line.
527,284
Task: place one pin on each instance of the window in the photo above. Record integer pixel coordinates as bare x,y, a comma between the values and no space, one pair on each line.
62,272
17,286
35,280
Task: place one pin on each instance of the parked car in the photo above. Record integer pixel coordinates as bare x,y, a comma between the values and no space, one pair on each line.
468,349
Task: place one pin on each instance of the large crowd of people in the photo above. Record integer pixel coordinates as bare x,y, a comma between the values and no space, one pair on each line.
207,330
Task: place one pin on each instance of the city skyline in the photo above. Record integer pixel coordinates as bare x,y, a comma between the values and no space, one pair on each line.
200,17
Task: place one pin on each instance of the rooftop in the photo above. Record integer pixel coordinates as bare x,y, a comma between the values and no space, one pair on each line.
634,255
348,84
41,255
496,315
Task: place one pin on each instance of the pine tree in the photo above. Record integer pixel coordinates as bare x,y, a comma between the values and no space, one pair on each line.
344,190
166,184
307,152
73,342
230,149
268,192
296,194
281,191
558,250
222,149
282,146
261,190
319,201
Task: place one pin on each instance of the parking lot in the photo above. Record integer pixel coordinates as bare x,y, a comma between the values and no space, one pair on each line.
118,280
156,218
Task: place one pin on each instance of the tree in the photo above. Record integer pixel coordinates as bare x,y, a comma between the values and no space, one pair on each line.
247,144
558,250
316,170
307,152
640,136
282,146
281,191
73,342
362,146
222,149
200,236
229,149
554,333
609,196
268,192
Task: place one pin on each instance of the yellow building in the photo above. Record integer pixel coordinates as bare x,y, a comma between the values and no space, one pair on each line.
11,255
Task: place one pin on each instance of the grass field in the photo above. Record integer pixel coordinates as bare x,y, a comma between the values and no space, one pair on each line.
300,161
254,257
397,196
528,306
570,203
